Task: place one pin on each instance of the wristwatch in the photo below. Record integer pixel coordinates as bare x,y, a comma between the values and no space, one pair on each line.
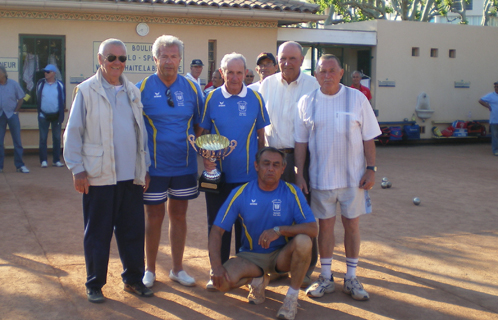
277,231
373,168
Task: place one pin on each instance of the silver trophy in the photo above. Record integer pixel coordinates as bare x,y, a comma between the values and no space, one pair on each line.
213,147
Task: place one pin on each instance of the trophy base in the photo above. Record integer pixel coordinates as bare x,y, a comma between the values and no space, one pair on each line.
211,185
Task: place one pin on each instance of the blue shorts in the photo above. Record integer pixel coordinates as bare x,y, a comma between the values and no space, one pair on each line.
178,187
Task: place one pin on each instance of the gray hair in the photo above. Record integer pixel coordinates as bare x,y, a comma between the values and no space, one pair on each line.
229,57
328,56
112,41
273,150
281,47
358,72
166,41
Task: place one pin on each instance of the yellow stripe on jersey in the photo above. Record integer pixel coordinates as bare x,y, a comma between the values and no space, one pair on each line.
154,136
260,104
248,144
186,134
142,86
238,193
294,192
196,95
210,95
248,236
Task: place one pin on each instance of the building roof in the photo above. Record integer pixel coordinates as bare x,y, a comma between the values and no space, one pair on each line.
278,5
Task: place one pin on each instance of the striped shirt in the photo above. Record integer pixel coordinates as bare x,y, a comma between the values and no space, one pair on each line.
335,130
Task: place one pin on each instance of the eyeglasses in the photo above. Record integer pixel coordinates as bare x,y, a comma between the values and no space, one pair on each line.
112,57
248,76
48,71
171,103
266,65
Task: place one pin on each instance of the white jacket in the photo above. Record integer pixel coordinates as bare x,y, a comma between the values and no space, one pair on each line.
88,138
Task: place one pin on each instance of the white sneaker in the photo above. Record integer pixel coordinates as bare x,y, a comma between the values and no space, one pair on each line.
289,309
210,286
354,287
44,164
148,279
182,278
321,287
58,164
23,169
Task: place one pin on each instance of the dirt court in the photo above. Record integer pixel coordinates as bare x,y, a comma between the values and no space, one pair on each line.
437,260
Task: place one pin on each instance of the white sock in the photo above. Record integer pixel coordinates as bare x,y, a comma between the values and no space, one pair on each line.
257,281
351,264
293,293
326,267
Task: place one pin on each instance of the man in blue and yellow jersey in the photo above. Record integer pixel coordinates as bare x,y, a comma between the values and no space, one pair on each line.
172,110
278,226
239,114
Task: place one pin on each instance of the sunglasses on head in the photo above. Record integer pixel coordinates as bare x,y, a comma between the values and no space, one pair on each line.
171,103
112,57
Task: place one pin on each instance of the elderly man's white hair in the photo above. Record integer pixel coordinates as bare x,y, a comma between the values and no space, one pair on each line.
294,43
112,41
166,41
358,72
232,56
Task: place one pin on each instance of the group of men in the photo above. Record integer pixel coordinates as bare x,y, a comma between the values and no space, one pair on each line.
127,145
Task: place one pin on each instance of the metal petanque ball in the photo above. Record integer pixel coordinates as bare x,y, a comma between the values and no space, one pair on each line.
389,184
416,201
384,179
383,184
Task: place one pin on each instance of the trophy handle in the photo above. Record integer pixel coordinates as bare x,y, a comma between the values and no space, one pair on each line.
191,138
232,146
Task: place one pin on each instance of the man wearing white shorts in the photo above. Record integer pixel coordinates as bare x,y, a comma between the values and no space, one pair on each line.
338,125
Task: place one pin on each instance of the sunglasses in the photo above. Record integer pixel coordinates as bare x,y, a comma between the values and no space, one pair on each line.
112,57
171,103
48,71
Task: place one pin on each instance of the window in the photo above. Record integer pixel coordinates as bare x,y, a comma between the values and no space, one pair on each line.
36,51
211,59
434,52
452,53
415,51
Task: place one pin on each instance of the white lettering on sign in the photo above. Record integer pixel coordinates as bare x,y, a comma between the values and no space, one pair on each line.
139,58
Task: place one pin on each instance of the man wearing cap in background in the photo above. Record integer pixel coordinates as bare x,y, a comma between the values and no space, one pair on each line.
266,66
51,104
195,71
11,99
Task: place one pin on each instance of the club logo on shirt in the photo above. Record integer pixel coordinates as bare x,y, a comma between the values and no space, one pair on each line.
179,98
253,202
277,207
222,104
242,108
157,94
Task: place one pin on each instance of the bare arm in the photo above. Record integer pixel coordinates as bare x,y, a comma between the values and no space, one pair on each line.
19,104
485,104
198,130
309,228
300,149
368,179
261,138
218,273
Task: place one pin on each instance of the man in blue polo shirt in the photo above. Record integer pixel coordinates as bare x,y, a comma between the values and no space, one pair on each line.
239,114
490,101
272,211
172,109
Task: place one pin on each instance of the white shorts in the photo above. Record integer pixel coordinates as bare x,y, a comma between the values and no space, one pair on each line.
354,202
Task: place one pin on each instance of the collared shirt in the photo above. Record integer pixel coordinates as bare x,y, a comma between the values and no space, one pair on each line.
10,93
50,98
335,126
492,99
281,102
255,86
237,117
191,77
365,91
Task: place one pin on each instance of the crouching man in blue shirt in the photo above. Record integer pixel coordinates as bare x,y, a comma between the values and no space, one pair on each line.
278,226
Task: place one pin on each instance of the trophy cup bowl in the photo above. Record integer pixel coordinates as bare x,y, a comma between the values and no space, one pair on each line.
212,147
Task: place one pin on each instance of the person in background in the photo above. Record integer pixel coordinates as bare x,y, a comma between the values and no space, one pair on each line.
217,81
266,65
196,67
51,96
11,99
490,101
249,78
356,76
